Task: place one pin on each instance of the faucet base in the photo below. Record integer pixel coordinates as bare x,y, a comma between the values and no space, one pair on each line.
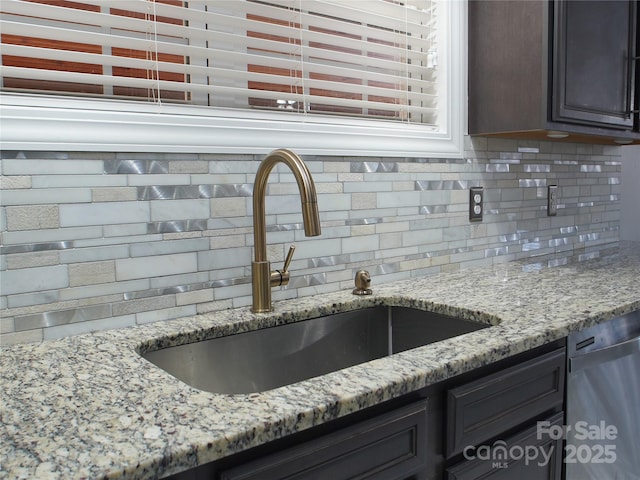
261,287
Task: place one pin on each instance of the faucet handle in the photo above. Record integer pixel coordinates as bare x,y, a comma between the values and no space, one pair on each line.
281,277
287,260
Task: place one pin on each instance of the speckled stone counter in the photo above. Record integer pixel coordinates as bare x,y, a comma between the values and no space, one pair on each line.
90,406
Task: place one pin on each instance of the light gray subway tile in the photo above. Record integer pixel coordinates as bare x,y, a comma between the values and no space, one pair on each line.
421,237
168,247
174,284
34,279
218,178
26,300
165,210
194,297
224,258
398,199
77,255
457,233
77,181
117,240
104,213
159,180
103,291
49,166
165,314
46,196
126,230
331,202
511,194
360,243
142,267
370,187
30,240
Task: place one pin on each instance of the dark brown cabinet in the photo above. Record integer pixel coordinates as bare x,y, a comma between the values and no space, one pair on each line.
489,406
593,72
541,458
492,422
390,446
547,69
423,435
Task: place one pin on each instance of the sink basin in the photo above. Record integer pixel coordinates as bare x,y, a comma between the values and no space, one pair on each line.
268,358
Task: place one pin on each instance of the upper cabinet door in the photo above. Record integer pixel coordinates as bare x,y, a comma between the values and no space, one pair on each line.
593,64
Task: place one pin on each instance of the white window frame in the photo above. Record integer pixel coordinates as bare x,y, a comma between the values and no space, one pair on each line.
44,122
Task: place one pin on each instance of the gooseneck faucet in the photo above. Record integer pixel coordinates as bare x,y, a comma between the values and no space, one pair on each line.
262,278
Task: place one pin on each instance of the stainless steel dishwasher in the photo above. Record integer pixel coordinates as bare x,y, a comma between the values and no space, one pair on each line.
602,430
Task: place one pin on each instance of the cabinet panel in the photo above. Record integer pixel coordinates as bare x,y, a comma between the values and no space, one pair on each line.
541,458
538,67
593,68
392,445
486,407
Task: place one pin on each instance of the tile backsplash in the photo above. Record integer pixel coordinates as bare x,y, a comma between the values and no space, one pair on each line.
91,241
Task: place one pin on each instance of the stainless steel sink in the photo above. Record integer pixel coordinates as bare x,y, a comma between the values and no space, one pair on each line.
272,357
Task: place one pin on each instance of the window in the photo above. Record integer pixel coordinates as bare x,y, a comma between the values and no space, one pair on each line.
382,77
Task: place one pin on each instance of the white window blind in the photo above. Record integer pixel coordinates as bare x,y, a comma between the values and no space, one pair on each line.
363,58
347,77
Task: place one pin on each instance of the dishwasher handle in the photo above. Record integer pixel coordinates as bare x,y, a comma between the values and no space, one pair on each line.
613,352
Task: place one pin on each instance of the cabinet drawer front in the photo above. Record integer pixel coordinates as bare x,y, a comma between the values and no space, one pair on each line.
391,445
486,407
542,460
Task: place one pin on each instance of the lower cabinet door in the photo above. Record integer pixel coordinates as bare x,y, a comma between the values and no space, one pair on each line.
532,454
391,446
480,410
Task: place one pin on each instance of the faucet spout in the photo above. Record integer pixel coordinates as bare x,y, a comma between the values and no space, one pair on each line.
262,277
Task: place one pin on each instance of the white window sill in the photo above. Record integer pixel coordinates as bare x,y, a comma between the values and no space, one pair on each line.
58,123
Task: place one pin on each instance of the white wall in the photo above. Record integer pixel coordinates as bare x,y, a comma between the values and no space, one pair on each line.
630,217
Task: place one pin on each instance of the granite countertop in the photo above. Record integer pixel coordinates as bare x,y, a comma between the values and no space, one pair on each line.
89,406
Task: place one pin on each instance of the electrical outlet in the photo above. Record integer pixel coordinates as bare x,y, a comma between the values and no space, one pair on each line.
552,200
476,207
